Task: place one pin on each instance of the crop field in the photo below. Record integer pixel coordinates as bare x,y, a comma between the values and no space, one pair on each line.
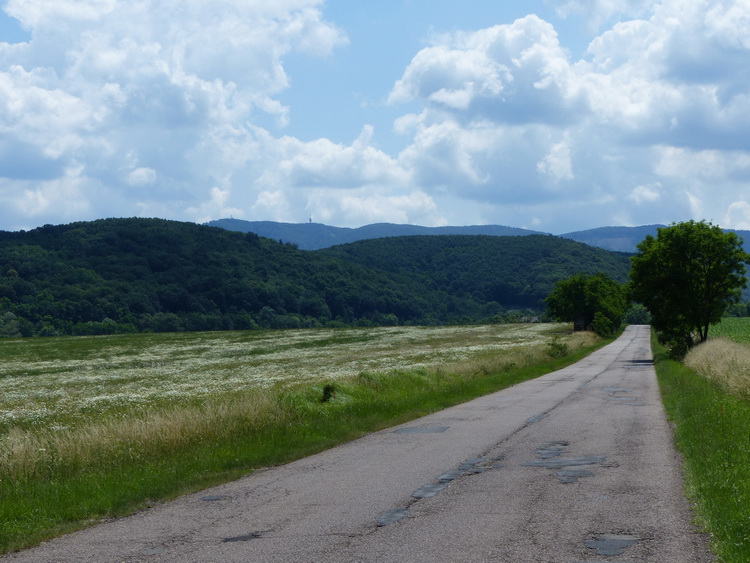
95,427
735,328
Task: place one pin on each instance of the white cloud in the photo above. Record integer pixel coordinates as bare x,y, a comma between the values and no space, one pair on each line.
132,93
557,163
217,206
142,177
661,104
360,207
646,194
737,216
327,164
515,73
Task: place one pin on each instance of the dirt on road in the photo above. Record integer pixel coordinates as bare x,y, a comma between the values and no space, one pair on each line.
575,466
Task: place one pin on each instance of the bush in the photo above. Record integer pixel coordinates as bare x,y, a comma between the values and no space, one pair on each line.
557,349
602,325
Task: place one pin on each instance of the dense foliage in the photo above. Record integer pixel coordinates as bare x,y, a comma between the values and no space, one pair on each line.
130,275
686,277
516,272
591,302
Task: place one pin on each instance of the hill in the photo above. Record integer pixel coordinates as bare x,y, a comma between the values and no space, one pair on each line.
618,239
314,236
626,239
118,275
516,272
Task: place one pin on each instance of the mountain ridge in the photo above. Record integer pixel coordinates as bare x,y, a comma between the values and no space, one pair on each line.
316,236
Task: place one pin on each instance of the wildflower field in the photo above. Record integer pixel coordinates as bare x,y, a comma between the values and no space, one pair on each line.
94,427
62,382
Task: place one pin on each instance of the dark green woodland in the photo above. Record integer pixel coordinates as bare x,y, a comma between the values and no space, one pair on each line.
134,275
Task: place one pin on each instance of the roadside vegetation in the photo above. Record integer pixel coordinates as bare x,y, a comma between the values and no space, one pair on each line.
94,427
707,397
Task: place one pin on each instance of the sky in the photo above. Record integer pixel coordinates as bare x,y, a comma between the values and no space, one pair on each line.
552,115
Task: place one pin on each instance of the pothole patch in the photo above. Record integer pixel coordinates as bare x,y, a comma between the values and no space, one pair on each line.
472,466
392,516
569,469
610,545
536,418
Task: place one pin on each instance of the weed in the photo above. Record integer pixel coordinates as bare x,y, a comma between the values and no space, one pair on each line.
557,349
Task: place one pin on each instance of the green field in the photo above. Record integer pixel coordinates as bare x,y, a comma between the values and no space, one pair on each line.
93,427
736,328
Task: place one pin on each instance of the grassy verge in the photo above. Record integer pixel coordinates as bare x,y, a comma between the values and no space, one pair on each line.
61,480
712,431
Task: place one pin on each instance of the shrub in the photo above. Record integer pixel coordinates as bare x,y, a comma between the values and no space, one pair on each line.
602,325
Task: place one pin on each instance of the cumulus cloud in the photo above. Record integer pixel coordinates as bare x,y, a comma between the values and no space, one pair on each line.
116,95
738,216
657,112
515,73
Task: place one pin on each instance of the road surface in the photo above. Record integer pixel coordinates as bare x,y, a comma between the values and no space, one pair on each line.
576,466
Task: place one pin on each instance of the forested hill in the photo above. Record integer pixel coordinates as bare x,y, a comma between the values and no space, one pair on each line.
118,275
517,272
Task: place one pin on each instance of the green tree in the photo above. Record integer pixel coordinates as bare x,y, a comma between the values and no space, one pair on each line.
590,302
686,277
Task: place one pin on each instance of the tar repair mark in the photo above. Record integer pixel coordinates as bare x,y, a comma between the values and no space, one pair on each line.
615,394
569,469
472,466
612,544
246,537
421,430
536,418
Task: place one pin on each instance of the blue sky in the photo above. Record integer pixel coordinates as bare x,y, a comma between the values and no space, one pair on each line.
554,115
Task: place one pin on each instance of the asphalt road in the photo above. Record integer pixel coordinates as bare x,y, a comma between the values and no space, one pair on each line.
575,466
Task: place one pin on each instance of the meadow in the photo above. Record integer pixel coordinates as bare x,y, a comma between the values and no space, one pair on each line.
93,427
708,400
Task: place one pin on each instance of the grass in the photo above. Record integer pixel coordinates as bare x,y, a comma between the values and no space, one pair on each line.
734,328
99,427
708,400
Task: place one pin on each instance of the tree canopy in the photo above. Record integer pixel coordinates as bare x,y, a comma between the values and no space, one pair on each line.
590,302
686,277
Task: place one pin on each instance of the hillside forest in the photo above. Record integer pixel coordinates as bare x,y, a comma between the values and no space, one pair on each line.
138,275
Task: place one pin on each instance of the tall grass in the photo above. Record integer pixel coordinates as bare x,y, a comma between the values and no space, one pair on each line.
725,362
708,400
55,477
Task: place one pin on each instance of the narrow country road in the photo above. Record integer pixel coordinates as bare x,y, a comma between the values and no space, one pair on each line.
575,466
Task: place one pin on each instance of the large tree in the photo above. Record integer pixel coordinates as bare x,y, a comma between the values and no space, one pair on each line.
686,277
589,302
